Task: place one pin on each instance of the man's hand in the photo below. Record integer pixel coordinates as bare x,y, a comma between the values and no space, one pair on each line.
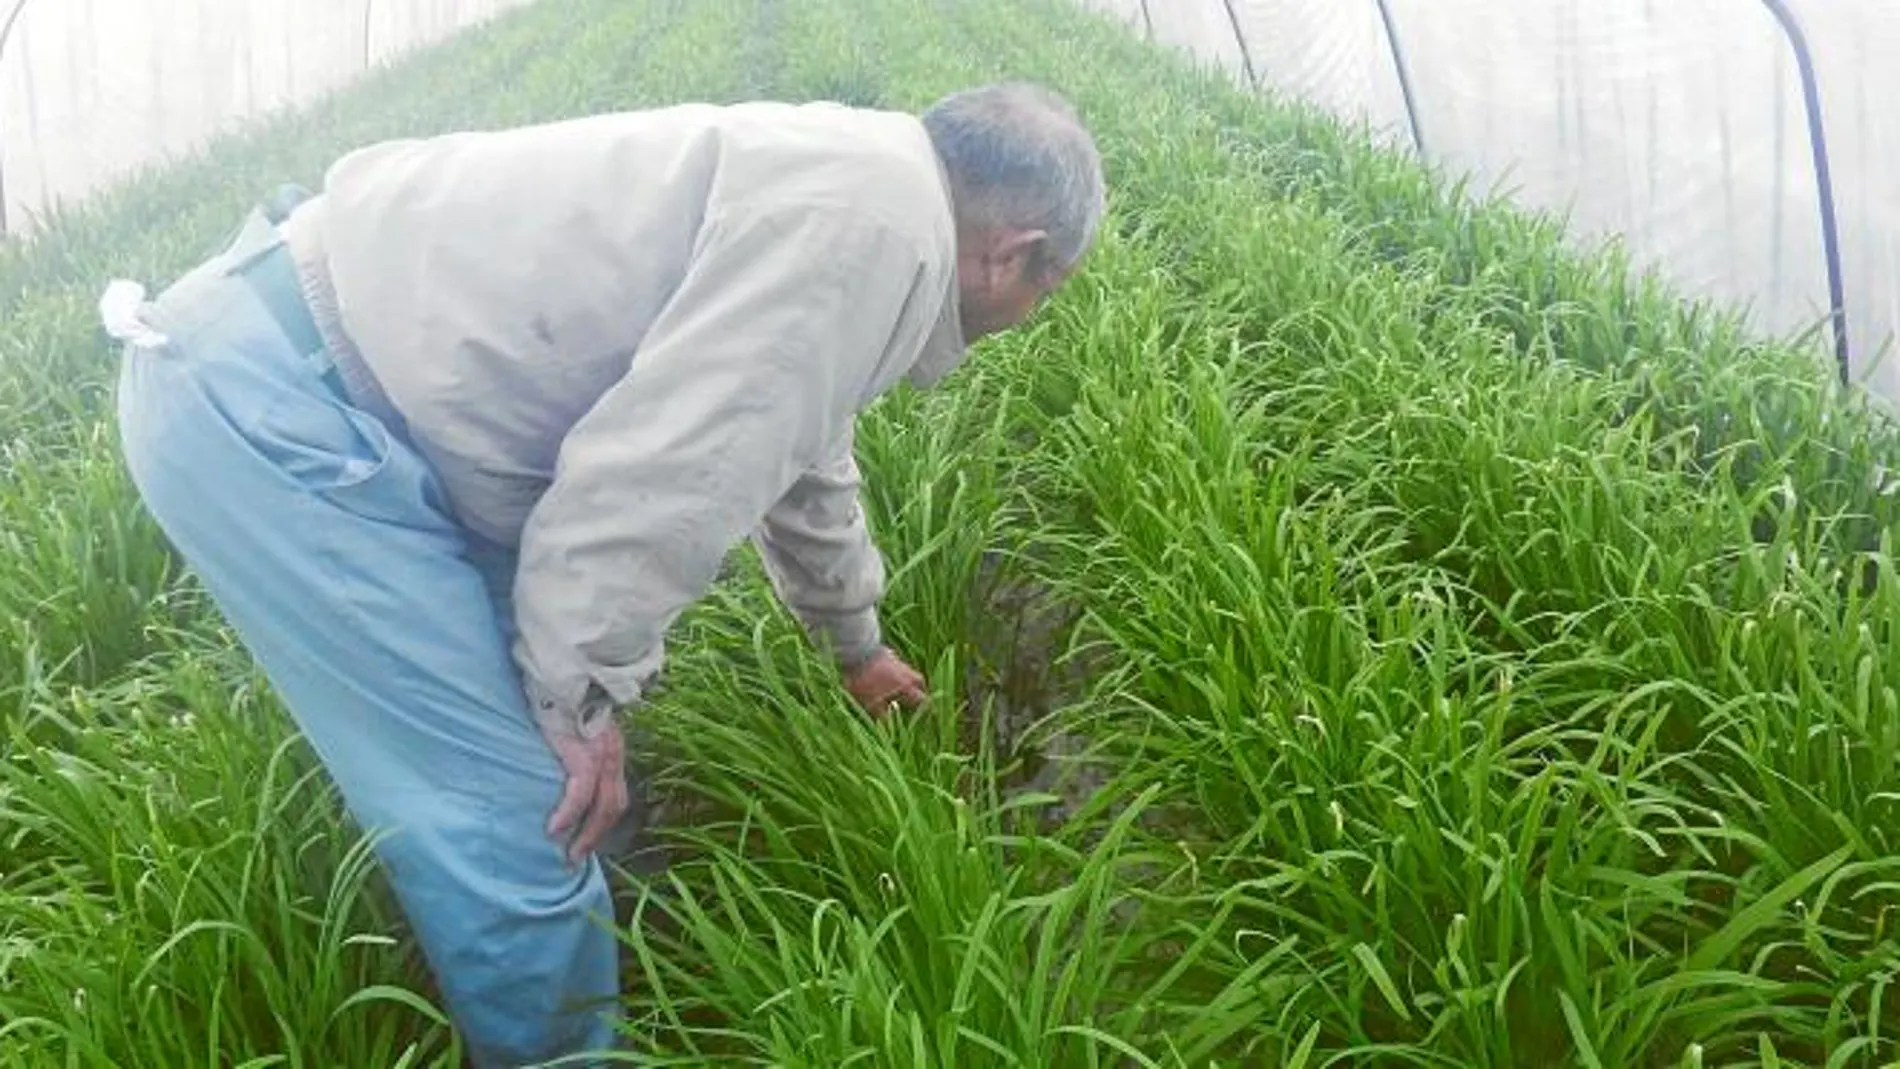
885,680
596,787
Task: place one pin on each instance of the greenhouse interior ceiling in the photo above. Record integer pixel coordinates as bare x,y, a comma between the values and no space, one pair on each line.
1687,130
1695,132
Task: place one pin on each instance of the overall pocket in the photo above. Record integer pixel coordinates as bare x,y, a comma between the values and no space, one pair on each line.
349,458
327,447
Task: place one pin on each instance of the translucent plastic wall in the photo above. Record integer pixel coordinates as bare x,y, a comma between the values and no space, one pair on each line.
90,90
1680,125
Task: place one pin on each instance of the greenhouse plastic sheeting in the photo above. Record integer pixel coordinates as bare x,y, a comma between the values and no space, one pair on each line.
93,89
1679,125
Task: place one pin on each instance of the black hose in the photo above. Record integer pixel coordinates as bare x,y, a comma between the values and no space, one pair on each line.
1824,182
1246,55
6,32
1405,75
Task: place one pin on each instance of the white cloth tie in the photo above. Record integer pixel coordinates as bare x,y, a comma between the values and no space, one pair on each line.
119,310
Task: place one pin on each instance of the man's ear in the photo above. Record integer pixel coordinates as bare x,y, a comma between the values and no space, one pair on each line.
1014,253
1027,247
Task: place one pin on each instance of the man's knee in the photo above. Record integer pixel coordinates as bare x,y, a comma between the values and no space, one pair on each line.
487,845
522,945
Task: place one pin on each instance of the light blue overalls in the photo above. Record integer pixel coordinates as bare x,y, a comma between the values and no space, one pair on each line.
326,542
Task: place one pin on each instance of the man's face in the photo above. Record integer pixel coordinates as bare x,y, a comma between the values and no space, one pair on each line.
1003,275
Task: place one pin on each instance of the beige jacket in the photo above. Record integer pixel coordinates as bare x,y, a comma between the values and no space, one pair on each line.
628,343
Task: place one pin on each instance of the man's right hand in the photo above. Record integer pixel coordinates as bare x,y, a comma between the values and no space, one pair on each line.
884,682
596,792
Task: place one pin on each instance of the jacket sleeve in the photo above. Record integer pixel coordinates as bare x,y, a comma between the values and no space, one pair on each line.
745,382
818,552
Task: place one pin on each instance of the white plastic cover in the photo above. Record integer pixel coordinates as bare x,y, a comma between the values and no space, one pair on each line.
1678,124
92,89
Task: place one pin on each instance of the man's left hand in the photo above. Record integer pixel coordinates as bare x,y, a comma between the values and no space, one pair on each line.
595,794
883,681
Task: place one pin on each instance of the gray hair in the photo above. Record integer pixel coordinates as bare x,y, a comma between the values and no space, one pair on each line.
1018,156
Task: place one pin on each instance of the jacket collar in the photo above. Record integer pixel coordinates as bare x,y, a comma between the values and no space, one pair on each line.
946,346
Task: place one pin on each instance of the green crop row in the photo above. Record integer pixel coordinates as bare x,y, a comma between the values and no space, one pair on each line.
1363,630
